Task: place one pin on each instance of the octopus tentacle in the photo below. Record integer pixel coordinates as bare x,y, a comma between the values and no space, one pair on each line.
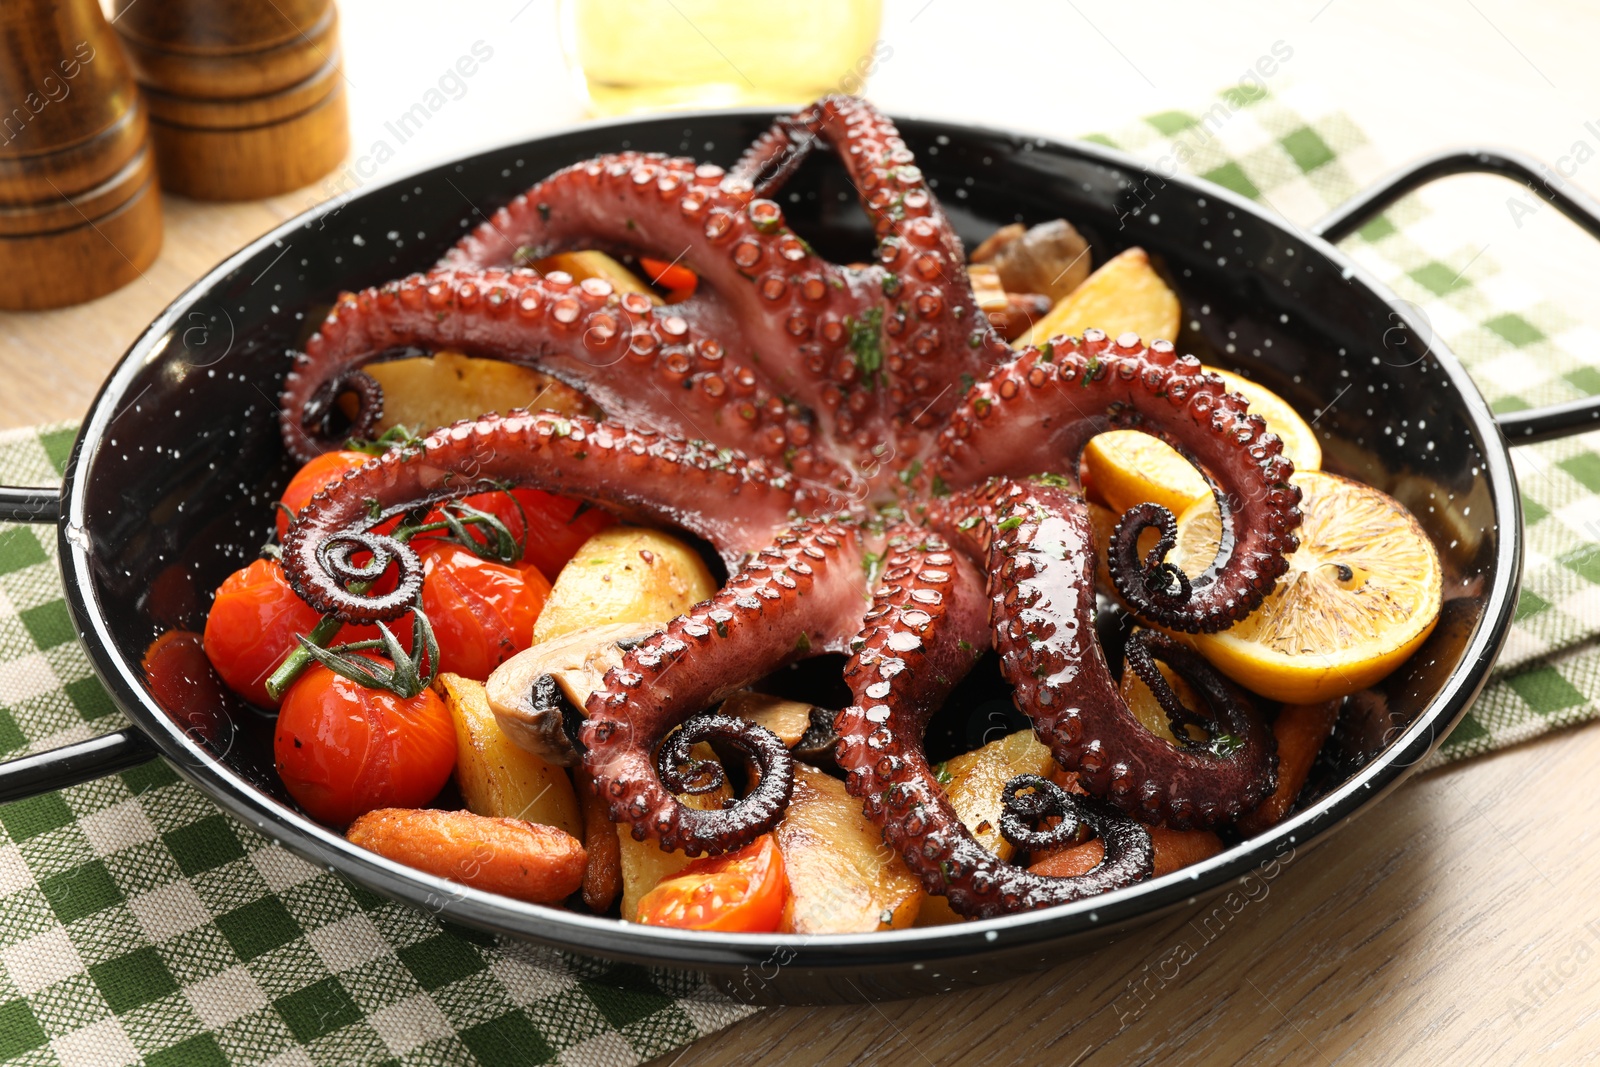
872,352
924,630
790,306
1038,413
735,502
1040,550
584,333
799,596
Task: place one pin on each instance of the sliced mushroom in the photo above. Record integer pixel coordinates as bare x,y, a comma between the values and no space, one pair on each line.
1051,258
538,694
804,728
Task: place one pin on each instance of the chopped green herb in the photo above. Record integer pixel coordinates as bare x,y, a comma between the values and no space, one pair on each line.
1225,745
1055,481
803,642
939,488
967,523
891,284
941,773
1090,370
867,343
1008,524
1047,352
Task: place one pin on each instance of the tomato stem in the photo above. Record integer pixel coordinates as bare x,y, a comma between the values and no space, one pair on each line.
299,659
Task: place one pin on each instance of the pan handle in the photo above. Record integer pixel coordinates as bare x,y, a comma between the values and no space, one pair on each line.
1520,427
84,760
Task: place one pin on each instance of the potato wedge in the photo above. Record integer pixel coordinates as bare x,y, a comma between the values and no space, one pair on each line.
624,574
433,391
843,878
986,287
583,265
973,782
514,858
497,778
644,864
1125,295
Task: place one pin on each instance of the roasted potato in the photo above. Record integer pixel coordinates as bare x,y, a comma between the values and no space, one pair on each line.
843,878
973,782
624,574
1124,296
432,391
583,265
497,778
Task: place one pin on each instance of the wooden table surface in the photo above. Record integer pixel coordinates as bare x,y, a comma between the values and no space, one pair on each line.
1460,921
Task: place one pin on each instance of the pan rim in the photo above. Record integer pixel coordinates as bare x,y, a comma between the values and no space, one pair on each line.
917,947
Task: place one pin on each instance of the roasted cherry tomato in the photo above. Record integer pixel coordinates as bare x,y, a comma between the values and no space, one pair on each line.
252,627
482,612
314,477
548,527
679,281
742,892
343,750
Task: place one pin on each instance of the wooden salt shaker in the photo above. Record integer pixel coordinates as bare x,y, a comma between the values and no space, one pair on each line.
246,98
80,211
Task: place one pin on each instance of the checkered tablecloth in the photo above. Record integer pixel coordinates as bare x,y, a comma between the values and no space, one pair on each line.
138,922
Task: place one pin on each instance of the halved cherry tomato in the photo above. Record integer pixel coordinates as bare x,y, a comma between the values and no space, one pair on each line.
550,528
314,477
680,281
343,750
482,612
741,891
252,626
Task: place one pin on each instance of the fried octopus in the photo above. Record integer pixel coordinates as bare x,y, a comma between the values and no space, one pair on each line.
883,476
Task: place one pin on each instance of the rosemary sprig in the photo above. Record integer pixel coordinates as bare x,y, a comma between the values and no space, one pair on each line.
457,520
407,673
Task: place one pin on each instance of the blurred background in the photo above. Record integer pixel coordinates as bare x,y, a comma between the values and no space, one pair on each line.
1414,77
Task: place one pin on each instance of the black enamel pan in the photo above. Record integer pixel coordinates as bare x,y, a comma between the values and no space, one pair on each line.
170,484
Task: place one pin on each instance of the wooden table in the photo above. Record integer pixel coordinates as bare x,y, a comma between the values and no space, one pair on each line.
1457,923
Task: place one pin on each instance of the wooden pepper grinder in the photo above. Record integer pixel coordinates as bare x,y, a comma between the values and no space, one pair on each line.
246,98
80,211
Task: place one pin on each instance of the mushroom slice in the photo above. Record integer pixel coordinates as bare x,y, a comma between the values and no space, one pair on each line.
535,693
1051,258
805,729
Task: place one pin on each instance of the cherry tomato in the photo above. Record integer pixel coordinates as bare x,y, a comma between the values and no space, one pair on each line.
314,477
482,612
343,750
550,528
678,280
741,892
183,681
252,627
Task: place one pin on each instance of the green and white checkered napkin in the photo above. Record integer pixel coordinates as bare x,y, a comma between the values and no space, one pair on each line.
136,921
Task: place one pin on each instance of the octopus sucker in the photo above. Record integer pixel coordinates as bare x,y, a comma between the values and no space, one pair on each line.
881,473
